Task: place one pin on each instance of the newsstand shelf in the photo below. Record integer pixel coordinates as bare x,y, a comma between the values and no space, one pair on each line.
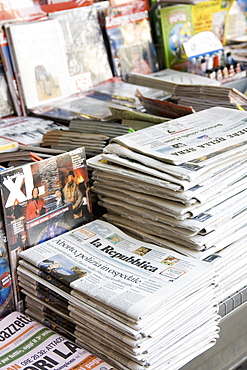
230,351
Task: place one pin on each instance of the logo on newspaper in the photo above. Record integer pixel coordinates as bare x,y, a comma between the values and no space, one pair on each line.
115,238
88,233
172,273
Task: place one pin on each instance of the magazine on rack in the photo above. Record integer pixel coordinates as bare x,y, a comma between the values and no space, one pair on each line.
32,343
86,53
42,71
38,54
129,33
7,304
49,6
24,10
44,75
43,199
9,72
100,254
6,103
177,27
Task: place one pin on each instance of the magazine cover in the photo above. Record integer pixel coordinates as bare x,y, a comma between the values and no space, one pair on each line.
131,43
39,59
44,199
6,288
211,16
57,5
9,72
20,10
6,105
85,49
177,28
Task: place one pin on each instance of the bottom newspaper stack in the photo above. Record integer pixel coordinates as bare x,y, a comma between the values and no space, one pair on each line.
27,344
135,305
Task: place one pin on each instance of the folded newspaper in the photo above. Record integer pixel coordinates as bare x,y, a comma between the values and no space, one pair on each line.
100,253
213,131
27,344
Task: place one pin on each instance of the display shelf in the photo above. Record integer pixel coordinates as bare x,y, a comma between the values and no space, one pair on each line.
233,302
240,84
230,351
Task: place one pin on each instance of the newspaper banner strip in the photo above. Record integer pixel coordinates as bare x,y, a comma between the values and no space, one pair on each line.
190,137
26,344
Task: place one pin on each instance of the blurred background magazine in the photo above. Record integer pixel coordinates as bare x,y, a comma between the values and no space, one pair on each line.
6,290
129,33
86,53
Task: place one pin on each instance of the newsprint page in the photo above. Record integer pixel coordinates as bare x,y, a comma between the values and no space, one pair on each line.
109,265
26,344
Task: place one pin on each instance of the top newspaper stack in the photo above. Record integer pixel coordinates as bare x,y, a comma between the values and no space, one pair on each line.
180,184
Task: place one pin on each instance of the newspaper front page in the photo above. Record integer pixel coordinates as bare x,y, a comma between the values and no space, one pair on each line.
103,263
209,174
212,131
186,172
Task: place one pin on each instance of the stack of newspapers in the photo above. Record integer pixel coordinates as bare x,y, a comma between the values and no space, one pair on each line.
192,90
97,122
110,129
135,305
67,140
182,185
